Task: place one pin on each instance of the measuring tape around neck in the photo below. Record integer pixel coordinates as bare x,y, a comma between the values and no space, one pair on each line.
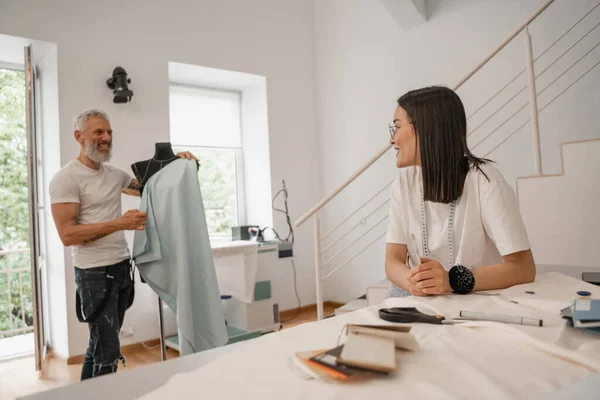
425,243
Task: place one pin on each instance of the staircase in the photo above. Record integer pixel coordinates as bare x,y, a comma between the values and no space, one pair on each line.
493,123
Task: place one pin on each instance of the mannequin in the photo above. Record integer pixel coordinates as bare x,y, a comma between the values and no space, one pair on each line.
143,170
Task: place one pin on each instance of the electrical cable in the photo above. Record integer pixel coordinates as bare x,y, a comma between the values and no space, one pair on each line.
287,239
274,231
297,296
285,211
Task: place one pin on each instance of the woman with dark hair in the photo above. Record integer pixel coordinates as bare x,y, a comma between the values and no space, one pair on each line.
454,222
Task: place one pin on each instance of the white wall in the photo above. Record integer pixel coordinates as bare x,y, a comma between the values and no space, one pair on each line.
365,61
264,37
564,226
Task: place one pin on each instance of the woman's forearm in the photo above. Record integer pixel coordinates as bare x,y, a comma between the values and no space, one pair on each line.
518,268
397,272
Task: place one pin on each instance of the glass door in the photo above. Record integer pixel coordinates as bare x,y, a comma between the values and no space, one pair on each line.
35,240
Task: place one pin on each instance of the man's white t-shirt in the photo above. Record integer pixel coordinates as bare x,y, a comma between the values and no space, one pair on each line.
98,193
487,221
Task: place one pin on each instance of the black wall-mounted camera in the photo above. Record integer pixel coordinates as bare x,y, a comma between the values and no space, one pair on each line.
118,83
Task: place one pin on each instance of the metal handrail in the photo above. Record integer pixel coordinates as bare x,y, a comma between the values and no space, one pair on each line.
353,256
488,153
536,77
537,58
13,251
355,211
543,108
539,94
356,224
381,152
354,241
533,94
327,199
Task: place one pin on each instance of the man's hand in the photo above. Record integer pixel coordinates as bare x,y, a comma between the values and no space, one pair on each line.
188,155
133,220
430,278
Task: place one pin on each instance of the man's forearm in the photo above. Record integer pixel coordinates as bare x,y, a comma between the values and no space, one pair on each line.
133,189
501,276
87,233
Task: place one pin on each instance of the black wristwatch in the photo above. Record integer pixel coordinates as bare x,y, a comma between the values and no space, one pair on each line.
461,279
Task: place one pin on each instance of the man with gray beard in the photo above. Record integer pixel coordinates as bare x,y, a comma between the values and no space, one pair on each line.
86,206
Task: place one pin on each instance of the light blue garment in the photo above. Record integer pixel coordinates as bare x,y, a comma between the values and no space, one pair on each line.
395,291
174,256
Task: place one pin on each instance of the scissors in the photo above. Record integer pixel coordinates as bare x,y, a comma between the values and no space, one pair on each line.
407,315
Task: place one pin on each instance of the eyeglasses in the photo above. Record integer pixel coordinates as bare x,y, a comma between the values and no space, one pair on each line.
393,129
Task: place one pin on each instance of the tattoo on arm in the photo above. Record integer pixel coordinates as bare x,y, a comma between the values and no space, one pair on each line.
97,237
134,189
134,186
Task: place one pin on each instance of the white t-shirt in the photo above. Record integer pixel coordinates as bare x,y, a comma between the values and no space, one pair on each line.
487,221
98,193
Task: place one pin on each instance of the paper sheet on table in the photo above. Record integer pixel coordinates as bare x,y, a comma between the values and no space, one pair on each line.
236,264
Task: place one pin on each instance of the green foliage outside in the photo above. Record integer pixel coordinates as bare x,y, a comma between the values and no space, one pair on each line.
14,216
217,176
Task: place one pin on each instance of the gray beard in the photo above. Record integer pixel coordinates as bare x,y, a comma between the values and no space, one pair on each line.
95,155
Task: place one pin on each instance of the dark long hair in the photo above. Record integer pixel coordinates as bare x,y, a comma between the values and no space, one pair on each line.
440,123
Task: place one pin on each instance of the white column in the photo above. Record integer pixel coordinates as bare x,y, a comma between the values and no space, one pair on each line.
535,128
317,233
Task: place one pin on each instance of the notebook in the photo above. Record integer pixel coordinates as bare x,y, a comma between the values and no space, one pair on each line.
370,352
400,334
329,359
586,310
583,314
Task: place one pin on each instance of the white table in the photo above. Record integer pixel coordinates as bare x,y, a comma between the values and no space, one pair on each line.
132,383
498,360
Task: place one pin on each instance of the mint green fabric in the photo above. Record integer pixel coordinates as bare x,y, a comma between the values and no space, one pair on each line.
174,256
262,290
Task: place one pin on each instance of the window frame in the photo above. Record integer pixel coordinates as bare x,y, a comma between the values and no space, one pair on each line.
239,156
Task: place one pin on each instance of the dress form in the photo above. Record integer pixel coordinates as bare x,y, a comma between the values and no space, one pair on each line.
143,170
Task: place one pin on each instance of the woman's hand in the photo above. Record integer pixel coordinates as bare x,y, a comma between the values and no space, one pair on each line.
429,278
412,287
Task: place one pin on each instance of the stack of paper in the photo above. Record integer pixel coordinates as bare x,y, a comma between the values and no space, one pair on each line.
584,314
368,351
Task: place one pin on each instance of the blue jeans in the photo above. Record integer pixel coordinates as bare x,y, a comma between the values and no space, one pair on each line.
104,348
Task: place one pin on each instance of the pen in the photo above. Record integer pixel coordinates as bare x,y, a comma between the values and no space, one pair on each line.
509,319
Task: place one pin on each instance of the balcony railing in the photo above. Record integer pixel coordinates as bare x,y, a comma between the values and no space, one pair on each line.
16,306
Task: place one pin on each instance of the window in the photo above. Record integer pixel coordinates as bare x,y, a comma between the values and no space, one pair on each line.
207,122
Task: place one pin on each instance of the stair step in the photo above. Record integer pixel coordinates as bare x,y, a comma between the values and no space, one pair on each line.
351,306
